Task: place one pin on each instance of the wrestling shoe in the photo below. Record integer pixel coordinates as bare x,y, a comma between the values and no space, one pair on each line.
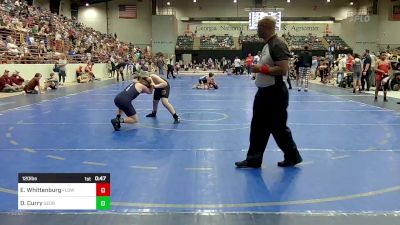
177,119
152,114
116,124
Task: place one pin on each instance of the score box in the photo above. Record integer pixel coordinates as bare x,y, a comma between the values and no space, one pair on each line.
64,191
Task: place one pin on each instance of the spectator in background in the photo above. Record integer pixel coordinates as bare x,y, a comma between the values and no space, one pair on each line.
341,69
224,63
17,79
357,68
89,71
366,73
160,64
249,62
109,69
374,59
323,70
120,69
51,82
62,67
13,48
305,61
113,68
256,60
79,72
6,84
314,66
330,60
3,45
30,87
42,48
170,68
236,63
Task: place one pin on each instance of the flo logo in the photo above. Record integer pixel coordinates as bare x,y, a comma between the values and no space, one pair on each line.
360,18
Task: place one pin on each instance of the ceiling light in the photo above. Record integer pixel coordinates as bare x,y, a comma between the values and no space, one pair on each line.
168,3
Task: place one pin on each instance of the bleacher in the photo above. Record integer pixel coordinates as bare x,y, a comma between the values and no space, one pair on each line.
52,35
217,42
184,42
249,38
298,42
337,42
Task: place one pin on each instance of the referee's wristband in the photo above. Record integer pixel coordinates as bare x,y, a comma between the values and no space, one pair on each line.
264,69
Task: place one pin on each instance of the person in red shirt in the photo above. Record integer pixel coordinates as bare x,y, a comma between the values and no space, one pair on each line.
17,79
349,63
30,88
249,63
6,84
382,71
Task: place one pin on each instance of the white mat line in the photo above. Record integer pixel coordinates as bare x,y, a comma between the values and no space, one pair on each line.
200,124
199,149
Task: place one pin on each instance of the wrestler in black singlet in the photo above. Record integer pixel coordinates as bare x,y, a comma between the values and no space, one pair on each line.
162,92
124,99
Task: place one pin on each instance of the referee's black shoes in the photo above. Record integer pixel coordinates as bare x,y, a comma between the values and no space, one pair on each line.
284,163
289,163
246,164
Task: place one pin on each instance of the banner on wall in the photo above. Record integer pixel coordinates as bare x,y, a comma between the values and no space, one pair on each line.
320,29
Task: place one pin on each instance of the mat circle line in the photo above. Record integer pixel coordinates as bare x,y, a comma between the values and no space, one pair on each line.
224,117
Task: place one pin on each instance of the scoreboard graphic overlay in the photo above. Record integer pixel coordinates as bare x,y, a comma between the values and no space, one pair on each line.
63,191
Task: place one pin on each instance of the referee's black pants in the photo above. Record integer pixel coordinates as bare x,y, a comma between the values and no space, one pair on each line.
270,117
170,70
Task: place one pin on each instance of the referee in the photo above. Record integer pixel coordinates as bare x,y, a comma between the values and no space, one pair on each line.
271,101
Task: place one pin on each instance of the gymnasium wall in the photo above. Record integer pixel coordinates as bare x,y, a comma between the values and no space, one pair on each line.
356,31
348,31
45,4
164,34
226,8
65,8
375,33
137,31
387,29
27,71
94,16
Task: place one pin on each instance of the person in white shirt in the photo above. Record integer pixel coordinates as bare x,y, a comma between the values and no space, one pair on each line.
236,63
341,69
256,60
374,59
314,66
12,48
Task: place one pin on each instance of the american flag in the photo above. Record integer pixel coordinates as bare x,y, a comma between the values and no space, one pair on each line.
127,11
